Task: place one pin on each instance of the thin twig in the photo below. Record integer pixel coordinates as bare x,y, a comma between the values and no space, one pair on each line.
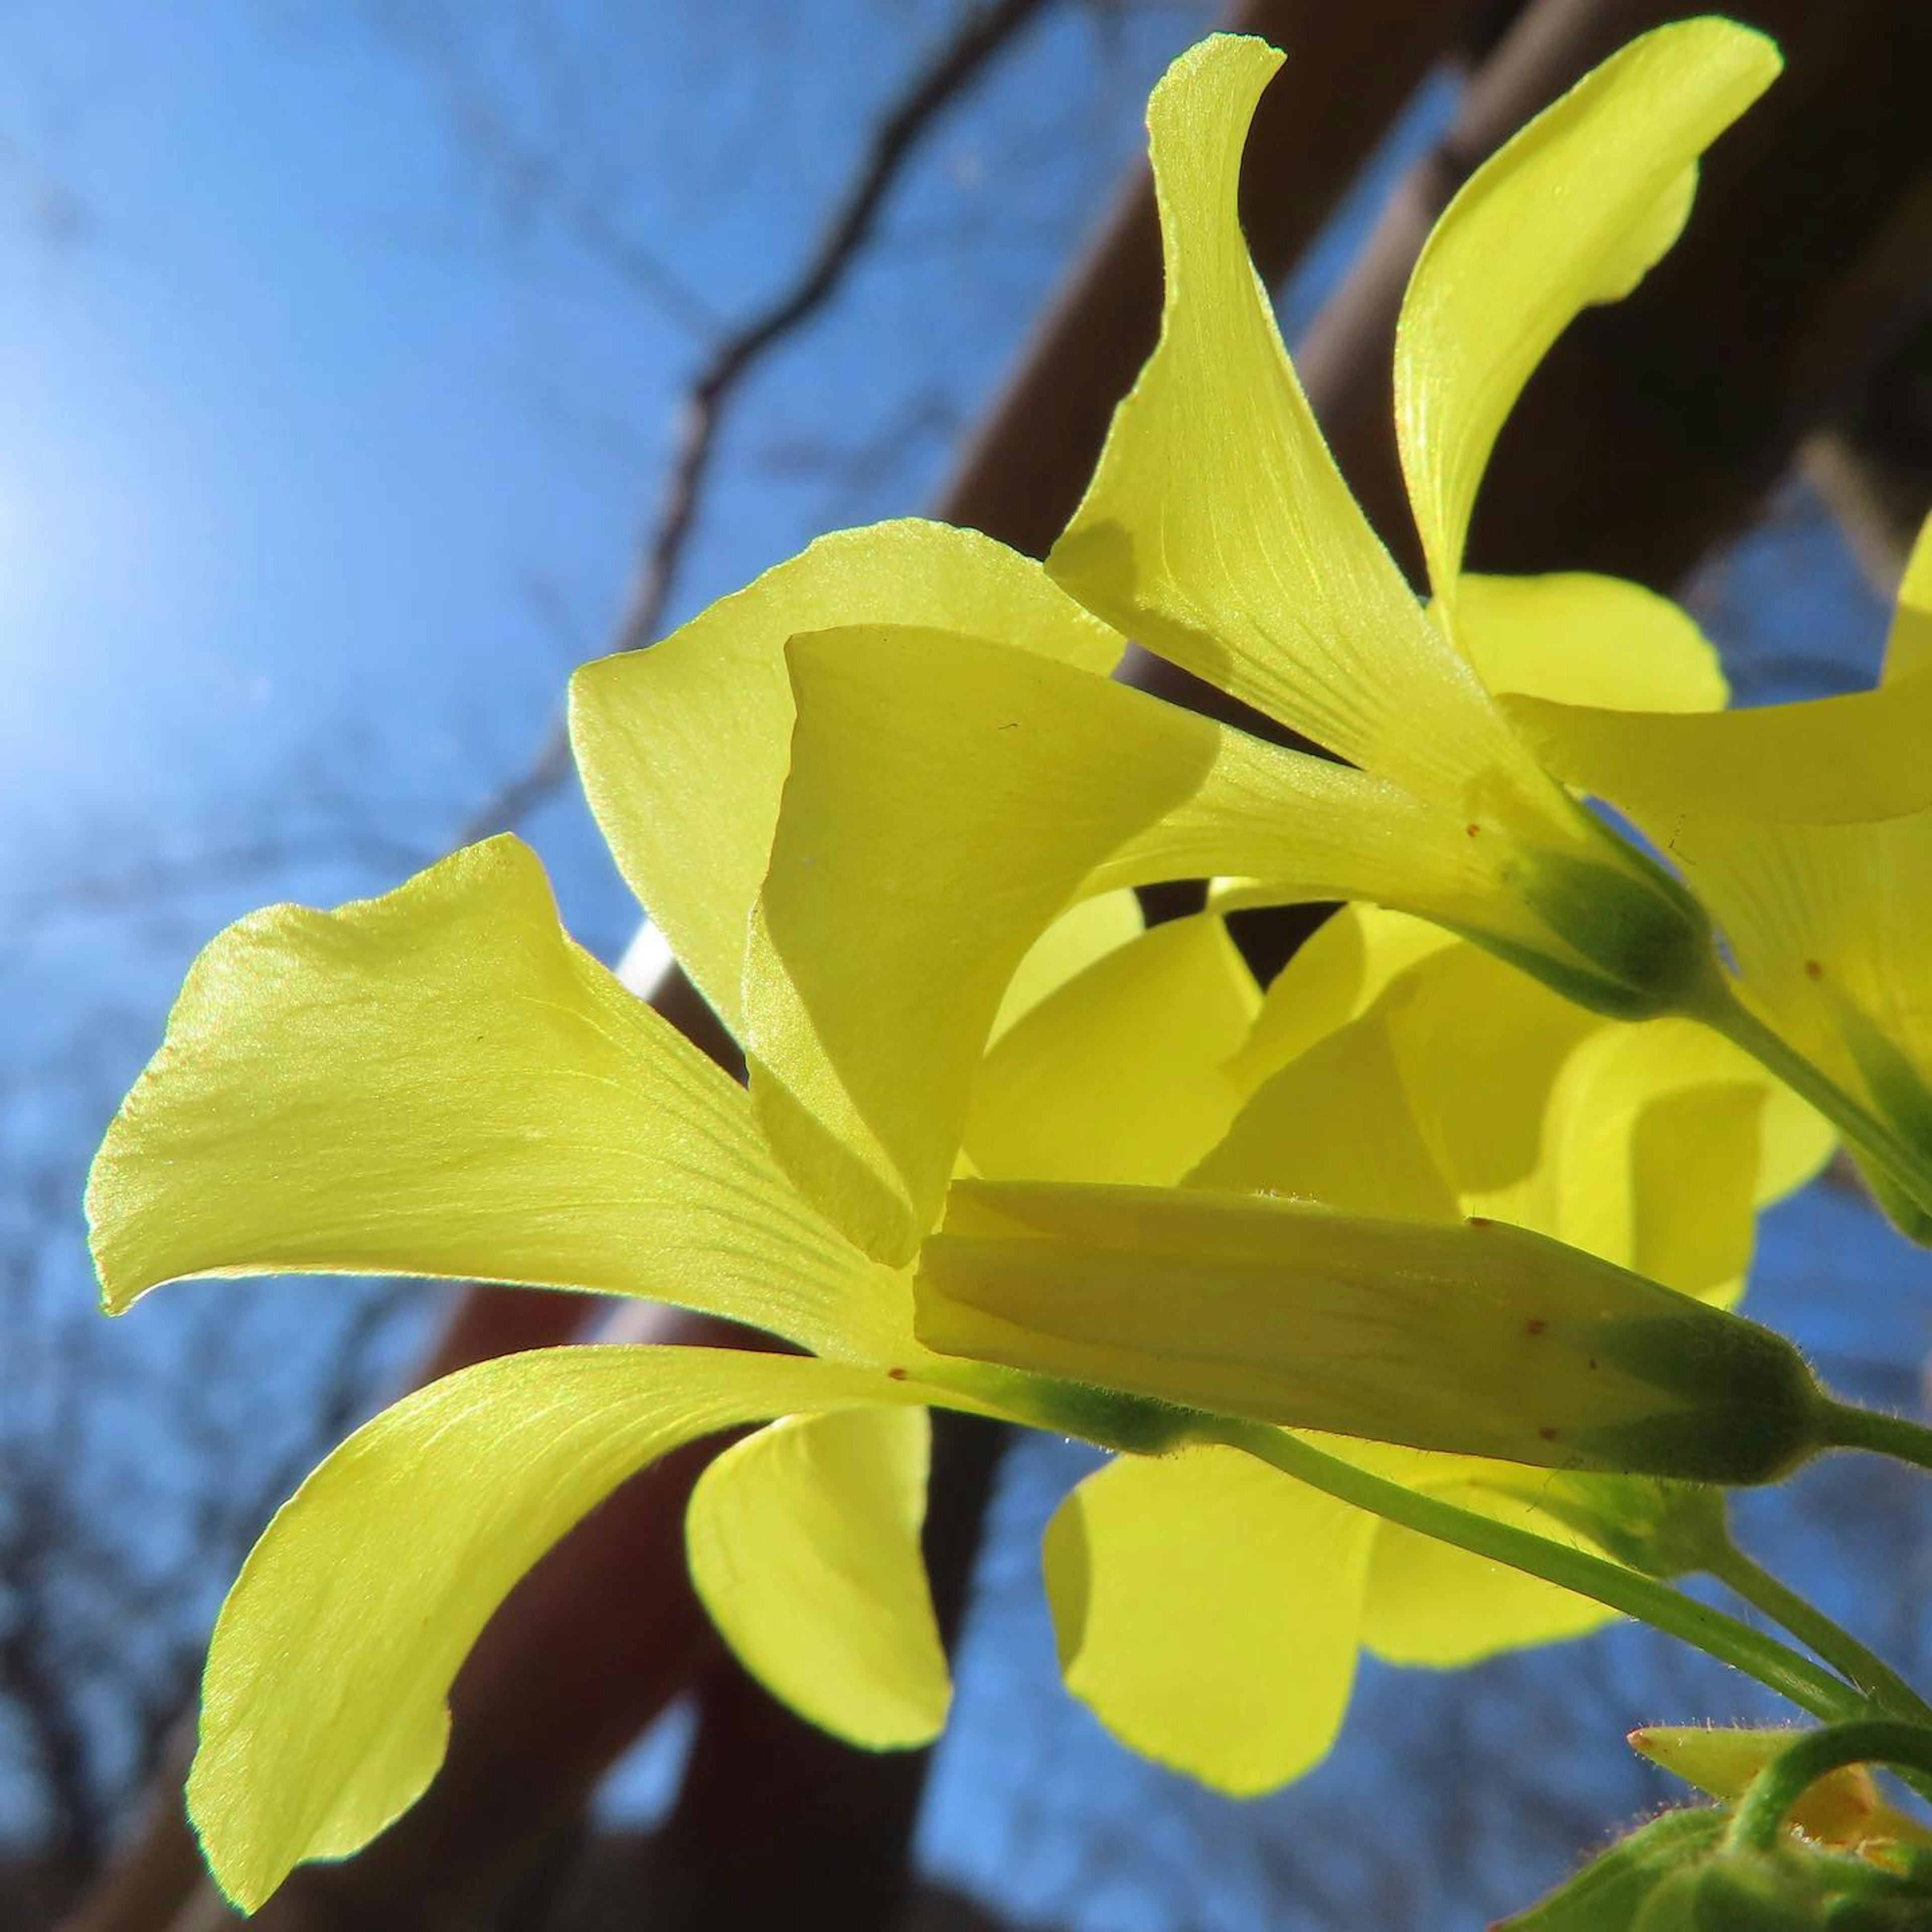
985,31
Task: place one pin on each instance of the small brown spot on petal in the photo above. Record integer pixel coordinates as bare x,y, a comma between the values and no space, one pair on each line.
1472,829
1813,971
1534,1325
1548,1434
895,1374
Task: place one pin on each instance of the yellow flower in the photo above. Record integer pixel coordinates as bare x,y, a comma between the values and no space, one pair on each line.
437,1082
1397,1072
1807,829
972,789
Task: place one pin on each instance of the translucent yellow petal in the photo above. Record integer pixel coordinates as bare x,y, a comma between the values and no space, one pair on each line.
1638,1141
1481,1339
1826,761
1908,650
1118,1075
1082,934
439,1082
1831,927
947,798
1480,1046
1208,1608
683,747
804,1544
1336,1125
1217,530
1430,1604
1338,974
1587,640
1572,211
1664,1141
1806,830
322,1714
1467,1088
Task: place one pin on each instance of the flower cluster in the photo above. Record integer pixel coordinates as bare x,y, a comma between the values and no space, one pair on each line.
1429,1243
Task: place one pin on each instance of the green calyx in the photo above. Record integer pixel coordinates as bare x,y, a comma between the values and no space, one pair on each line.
1643,947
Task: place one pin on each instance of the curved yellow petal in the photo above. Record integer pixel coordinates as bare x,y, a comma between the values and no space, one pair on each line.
804,1544
1481,1046
1826,761
1570,212
1336,1125
1430,1604
1806,830
323,1714
1831,927
439,1082
1336,975
1664,1142
682,747
1468,1088
1908,650
948,797
1082,935
1208,1609
1481,1339
1117,1076
1587,640
1217,530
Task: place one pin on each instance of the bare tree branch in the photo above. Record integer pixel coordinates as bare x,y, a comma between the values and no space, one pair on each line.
985,30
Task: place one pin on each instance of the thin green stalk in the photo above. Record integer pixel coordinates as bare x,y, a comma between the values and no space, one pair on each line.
1772,1664
1848,1426
1758,1824
1839,1649
1729,1015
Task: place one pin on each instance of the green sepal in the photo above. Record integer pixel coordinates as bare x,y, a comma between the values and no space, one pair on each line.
1608,1894
1658,1526
1676,1874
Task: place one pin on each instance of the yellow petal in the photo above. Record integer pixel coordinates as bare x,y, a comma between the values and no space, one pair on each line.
1665,1141
948,797
1572,211
1826,761
323,1713
1117,1076
1831,926
1208,1608
1336,1125
683,747
1082,935
1467,1088
1339,974
439,1082
1908,650
1217,530
1806,830
1479,1339
804,1543
1430,1604
1587,640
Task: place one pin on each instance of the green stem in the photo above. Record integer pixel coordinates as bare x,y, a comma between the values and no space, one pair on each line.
1839,1649
1758,1824
1772,1664
1729,1015
1848,1426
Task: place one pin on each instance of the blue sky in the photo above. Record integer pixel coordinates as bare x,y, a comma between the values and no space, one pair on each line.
323,449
